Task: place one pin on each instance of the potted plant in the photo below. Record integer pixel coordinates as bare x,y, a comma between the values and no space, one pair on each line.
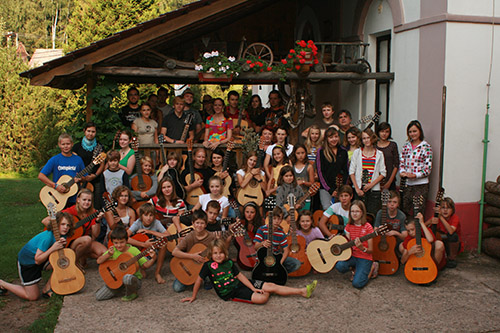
215,66
300,58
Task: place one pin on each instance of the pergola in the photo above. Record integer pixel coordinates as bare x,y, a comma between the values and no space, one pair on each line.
163,50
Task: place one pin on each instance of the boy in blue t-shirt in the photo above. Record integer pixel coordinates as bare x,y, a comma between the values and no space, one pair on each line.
65,163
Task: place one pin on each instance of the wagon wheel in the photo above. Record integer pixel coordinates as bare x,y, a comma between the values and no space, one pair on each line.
364,67
260,50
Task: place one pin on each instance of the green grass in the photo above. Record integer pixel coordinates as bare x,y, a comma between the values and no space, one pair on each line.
48,320
20,215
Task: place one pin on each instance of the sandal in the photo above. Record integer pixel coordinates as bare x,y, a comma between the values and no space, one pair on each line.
48,294
374,270
353,272
310,288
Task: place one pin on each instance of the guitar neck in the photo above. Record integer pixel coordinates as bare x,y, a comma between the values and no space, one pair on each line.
87,219
293,225
301,200
260,154
55,229
87,169
162,154
226,160
138,168
190,163
361,239
185,132
270,235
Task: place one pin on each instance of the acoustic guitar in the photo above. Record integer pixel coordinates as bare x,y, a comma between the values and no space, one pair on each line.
141,182
324,254
192,197
370,120
297,243
242,124
78,227
439,198
113,271
187,124
313,189
66,278
269,267
253,190
247,255
420,268
226,182
172,229
334,224
384,246
51,195
163,157
187,270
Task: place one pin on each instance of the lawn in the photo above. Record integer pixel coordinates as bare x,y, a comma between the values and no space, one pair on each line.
20,216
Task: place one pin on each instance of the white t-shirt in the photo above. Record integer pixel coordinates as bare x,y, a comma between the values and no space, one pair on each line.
336,208
205,198
289,150
242,173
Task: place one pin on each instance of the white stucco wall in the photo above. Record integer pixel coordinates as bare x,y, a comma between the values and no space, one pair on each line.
411,10
473,7
467,63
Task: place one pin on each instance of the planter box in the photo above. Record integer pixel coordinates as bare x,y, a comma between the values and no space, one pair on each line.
209,77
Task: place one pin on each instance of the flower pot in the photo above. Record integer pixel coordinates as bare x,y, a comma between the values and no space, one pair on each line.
209,77
308,57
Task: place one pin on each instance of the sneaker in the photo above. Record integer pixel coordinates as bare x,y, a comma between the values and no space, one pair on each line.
129,298
310,288
451,263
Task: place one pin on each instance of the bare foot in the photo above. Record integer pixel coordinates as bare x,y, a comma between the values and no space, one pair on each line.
159,279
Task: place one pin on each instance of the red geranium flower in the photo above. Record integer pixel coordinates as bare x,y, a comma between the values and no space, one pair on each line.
303,53
302,61
262,69
292,51
316,61
284,62
249,61
302,43
252,65
297,67
290,56
269,69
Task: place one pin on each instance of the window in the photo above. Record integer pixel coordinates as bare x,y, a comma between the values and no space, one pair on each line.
382,87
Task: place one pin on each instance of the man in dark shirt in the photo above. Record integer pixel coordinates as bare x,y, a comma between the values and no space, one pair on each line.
199,128
131,110
273,116
173,124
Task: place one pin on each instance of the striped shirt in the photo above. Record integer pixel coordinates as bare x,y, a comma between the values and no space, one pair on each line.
368,164
354,231
279,238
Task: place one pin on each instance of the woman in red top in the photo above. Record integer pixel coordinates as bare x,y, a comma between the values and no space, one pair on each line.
361,259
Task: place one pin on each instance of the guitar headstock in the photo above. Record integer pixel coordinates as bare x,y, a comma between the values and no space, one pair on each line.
189,119
262,143
418,203
109,204
99,159
237,228
189,143
161,139
135,143
376,117
230,144
385,195
97,151
314,188
383,229
365,176
291,200
339,180
439,195
51,210
184,232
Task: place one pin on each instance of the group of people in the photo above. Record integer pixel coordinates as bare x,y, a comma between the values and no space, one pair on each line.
352,167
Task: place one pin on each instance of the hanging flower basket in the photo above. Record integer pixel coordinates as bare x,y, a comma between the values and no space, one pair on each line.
209,77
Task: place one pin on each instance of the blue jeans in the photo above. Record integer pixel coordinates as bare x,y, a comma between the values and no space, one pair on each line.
291,264
362,267
178,286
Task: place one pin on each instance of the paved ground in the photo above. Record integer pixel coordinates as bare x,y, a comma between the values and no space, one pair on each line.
464,299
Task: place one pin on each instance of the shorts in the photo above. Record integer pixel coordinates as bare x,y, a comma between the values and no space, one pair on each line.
30,274
243,293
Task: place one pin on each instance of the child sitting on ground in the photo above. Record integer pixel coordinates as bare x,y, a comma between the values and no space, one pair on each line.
230,284
341,209
448,226
131,282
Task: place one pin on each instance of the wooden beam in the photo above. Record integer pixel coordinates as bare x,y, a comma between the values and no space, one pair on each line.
139,39
90,86
181,74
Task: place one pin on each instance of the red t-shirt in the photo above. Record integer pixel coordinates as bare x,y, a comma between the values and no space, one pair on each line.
87,226
454,222
355,231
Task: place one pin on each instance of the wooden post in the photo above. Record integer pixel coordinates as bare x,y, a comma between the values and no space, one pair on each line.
90,86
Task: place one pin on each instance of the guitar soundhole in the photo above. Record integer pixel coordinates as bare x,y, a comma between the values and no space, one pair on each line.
63,262
142,187
420,255
269,261
248,242
123,266
295,248
383,246
253,183
336,250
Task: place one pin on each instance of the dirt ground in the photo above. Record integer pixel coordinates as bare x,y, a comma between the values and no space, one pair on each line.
463,299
